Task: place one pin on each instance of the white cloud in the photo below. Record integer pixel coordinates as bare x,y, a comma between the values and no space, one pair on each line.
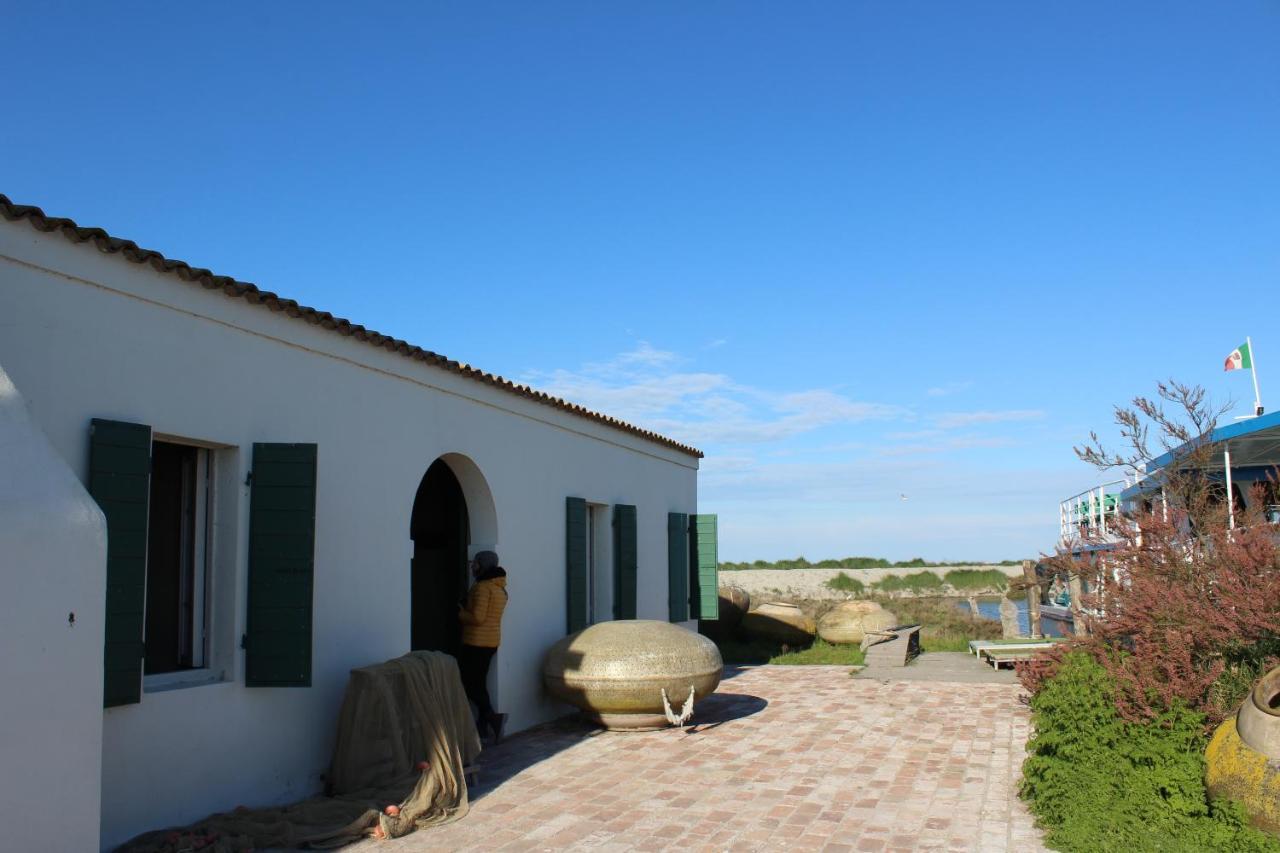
646,355
913,435
949,389
818,471
646,387
951,420
964,442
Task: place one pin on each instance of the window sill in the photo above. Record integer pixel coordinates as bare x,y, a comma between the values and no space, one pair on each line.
181,680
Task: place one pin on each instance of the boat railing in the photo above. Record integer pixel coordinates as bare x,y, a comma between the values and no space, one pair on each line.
1091,516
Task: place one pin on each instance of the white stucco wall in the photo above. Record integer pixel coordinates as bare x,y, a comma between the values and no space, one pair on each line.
53,556
87,335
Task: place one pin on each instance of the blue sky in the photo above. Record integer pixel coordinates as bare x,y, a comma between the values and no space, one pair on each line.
852,250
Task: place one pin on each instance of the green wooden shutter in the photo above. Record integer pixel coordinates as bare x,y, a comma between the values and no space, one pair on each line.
677,566
706,567
575,549
120,481
282,525
624,561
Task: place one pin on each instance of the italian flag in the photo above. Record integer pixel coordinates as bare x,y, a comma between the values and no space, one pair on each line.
1240,358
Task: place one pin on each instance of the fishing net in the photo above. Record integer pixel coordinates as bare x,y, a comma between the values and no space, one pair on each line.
394,716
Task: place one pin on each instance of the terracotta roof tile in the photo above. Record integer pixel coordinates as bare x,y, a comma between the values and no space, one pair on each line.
107,244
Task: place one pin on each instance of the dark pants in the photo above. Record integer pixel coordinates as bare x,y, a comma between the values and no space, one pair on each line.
473,664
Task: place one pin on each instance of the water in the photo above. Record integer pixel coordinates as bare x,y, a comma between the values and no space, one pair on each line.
990,609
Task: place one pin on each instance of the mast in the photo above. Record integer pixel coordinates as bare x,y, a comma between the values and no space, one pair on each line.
1253,369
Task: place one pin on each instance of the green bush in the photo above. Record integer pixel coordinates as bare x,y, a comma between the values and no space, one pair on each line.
965,580
917,582
844,583
1098,783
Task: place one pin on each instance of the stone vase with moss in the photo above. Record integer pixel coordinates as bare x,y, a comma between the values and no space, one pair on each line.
1243,758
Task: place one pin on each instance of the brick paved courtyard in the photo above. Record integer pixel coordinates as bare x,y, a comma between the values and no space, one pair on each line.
786,757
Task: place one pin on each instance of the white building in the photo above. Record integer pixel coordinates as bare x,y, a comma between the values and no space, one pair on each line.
285,495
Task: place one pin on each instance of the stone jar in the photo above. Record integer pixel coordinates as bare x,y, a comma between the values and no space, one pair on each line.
1242,760
1259,718
848,622
783,623
616,671
734,602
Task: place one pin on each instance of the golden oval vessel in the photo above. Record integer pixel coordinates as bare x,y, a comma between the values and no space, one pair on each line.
849,621
616,671
780,622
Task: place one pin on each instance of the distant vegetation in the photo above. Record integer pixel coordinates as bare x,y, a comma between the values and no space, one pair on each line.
924,583
844,583
916,583
968,580
859,563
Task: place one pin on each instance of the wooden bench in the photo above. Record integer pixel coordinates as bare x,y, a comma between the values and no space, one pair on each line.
998,656
977,647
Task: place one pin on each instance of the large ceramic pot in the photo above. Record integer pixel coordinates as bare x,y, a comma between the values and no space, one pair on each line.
734,602
783,623
1238,772
1242,761
616,671
849,621
1259,718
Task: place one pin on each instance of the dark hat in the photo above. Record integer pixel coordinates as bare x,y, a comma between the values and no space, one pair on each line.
486,559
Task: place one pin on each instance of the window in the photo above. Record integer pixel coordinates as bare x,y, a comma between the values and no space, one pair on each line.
171,593
177,558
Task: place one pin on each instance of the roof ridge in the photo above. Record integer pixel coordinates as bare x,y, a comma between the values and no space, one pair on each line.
233,287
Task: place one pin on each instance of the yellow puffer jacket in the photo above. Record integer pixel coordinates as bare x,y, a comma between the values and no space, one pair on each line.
482,617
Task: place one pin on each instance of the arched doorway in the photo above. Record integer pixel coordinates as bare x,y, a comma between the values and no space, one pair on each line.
441,532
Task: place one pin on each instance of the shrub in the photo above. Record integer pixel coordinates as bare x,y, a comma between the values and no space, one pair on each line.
1198,615
975,579
1191,597
917,583
844,583
1099,783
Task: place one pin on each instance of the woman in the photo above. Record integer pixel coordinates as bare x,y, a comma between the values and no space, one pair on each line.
481,619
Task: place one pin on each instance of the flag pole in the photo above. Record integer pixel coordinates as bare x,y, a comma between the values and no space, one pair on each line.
1253,368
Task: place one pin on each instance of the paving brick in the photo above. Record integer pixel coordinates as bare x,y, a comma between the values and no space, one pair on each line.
797,758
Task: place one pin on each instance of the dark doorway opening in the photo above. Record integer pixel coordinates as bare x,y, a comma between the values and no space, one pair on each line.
441,533
172,559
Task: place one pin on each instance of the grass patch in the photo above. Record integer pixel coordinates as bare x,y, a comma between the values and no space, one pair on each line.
767,651
916,583
844,583
944,627
975,580
944,643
